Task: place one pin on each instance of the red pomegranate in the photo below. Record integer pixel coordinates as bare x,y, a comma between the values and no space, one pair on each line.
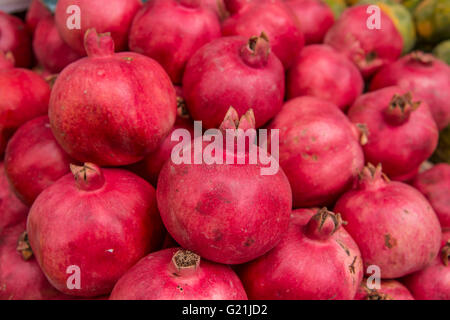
15,37
389,290
36,12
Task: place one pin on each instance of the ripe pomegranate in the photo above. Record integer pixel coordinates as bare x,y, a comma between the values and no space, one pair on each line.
34,160
369,49
36,12
177,274
389,290
427,77
435,186
234,71
95,121
315,260
216,6
114,16
101,221
229,213
400,131
14,37
314,74
50,50
171,31
384,217
319,150
274,18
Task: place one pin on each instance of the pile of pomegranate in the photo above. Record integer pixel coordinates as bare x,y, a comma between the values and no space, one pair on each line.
222,149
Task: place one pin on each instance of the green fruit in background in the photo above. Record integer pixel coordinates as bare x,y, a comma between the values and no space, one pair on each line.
442,153
410,4
442,51
433,20
337,6
351,2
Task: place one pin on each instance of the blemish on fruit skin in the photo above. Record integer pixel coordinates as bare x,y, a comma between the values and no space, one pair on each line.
352,266
343,247
389,241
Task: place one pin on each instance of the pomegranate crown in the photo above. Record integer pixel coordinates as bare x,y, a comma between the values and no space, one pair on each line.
232,121
255,53
184,263
23,246
400,108
88,177
98,44
421,58
6,60
371,176
445,253
323,224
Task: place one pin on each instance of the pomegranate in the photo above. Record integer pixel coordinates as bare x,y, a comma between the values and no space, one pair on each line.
229,213
389,290
34,160
95,121
315,260
36,12
234,71
400,131
427,77
14,37
114,16
171,31
435,186
314,74
273,17
99,222
50,50
369,49
319,150
216,6
384,217
177,274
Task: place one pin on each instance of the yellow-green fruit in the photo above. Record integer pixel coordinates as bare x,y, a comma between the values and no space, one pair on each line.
442,51
433,20
442,153
410,4
351,2
337,6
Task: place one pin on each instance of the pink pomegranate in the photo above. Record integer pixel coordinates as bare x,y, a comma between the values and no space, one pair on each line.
114,16
95,121
319,150
216,6
34,160
234,71
424,75
433,282
369,49
315,17
101,221
14,37
389,290
171,31
274,18
384,217
399,130
226,211
315,74
316,260
50,50
435,186
36,12
177,274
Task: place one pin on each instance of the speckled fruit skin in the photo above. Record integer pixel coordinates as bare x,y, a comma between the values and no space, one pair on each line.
36,12
398,139
389,290
322,72
427,77
272,17
34,160
111,109
435,186
102,221
310,263
15,37
369,49
114,16
153,279
228,72
320,163
393,224
171,31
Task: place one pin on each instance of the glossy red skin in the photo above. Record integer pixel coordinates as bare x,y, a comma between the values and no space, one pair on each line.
36,12
430,82
314,74
433,282
216,78
34,160
113,16
399,148
394,290
12,210
276,20
301,268
24,96
217,6
151,279
315,17
435,186
67,226
393,225
351,36
15,37
50,49
171,33
319,150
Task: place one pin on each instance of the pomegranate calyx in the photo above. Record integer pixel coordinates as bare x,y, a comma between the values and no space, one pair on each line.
23,246
232,121
256,52
6,60
184,263
88,177
445,253
371,176
420,57
400,108
323,224
98,44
